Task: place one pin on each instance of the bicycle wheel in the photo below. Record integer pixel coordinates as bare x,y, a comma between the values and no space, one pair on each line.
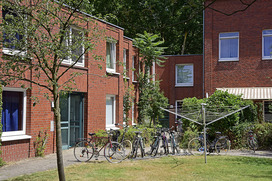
142,147
134,148
174,147
83,151
196,146
154,147
165,146
252,143
114,152
222,146
127,145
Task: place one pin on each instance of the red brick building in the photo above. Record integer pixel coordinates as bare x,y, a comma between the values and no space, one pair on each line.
238,49
181,77
97,103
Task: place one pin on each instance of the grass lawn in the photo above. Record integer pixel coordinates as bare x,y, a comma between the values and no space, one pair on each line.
167,168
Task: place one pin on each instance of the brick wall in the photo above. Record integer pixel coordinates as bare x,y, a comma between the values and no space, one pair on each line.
94,82
167,76
250,70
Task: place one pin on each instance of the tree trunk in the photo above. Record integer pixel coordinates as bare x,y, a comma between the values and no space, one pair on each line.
184,43
58,135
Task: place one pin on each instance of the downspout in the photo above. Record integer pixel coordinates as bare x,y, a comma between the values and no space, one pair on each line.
203,54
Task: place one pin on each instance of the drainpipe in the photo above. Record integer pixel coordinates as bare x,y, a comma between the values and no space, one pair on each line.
203,54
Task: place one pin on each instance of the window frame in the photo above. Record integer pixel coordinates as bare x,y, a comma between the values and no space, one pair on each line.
263,36
109,126
17,135
133,69
176,78
70,61
220,48
125,62
112,57
176,107
11,51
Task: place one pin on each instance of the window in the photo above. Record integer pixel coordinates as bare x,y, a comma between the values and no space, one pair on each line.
13,113
133,68
125,62
267,44
13,39
178,108
268,111
184,75
74,42
133,114
229,46
110,111
111,57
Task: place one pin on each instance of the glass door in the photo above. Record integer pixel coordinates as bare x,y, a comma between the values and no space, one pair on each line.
71,108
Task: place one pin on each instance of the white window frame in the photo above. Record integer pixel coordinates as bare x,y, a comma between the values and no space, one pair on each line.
229,37
133,69
17,135
176,106
263,36
109,126
176,78
10,51
69,41
112,55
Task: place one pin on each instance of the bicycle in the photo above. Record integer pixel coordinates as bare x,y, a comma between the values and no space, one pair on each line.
138,142
252,141
86,148
220,145
127,145
160,136
172,140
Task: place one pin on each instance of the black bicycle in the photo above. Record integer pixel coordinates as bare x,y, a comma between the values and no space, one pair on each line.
220,145
160,138
138,143
172,140
126,143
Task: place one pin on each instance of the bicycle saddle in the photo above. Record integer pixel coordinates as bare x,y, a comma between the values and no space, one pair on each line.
91,134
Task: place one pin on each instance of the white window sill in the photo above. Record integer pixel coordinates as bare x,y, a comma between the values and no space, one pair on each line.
184,85
111,127
134,81
125,77
13,138
267,58
66,62
112,72
12,52
228,60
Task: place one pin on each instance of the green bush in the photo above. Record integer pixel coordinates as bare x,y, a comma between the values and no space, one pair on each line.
189,134
263,133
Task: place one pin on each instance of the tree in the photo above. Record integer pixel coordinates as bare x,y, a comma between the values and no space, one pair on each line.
150,96
37,39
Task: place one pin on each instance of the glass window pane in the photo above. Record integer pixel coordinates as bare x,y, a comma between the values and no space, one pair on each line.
12,112
267,45
224,35
265,32
108,56
77,46
184,74
229,48
109,110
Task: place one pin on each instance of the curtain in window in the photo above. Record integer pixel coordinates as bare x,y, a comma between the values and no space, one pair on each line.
267,46
113,54
185,74
109,110
108,56
229,48
11,113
